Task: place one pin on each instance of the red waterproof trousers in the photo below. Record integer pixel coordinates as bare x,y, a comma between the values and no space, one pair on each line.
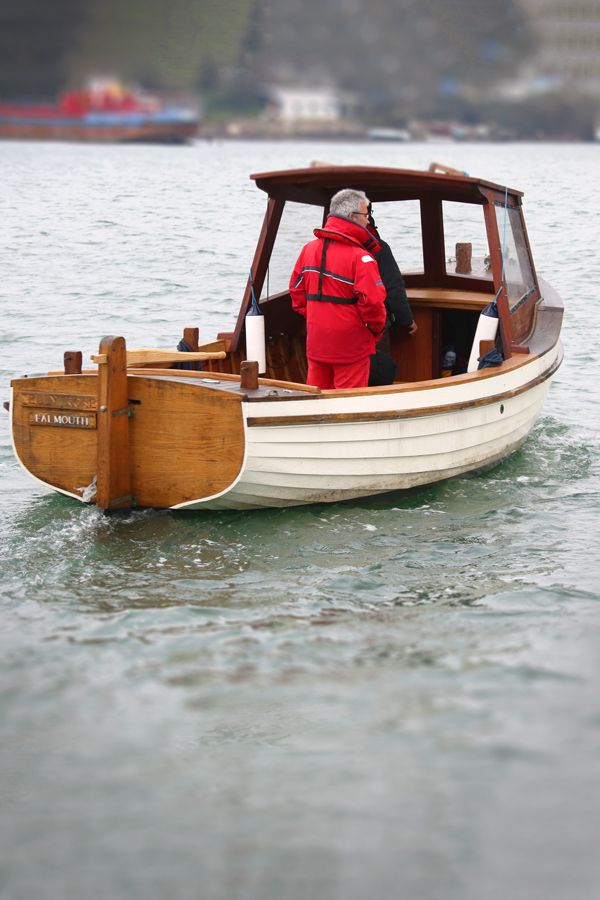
338,375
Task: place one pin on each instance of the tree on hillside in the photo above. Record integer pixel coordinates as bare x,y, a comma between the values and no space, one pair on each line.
34,35
394,54
164,43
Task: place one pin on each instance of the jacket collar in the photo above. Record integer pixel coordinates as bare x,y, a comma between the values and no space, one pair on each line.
346,231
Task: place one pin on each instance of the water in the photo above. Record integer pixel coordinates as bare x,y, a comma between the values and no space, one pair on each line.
394,697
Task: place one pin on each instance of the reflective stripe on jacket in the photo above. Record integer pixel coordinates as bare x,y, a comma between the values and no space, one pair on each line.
336,285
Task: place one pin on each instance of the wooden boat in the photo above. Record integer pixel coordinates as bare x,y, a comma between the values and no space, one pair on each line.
134,431
103,112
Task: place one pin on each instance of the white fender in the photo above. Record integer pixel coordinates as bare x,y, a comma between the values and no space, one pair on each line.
487,328
255,340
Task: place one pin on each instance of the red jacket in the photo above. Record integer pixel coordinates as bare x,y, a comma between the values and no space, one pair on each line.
336,285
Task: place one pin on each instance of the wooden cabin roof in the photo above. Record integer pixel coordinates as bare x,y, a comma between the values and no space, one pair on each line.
317,184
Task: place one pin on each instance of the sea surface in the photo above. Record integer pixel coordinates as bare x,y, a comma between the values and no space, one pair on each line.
389,698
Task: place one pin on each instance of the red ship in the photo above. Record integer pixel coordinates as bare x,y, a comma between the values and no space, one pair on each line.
104,111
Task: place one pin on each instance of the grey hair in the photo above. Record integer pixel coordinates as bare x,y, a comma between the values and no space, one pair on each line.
346,202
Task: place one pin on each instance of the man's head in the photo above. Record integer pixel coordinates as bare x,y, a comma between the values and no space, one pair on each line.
352,205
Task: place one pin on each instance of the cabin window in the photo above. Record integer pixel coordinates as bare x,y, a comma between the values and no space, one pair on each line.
295,230
464,223
518,273
399,224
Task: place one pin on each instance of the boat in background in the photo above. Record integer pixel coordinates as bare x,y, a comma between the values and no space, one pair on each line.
104,111
388,134
211,434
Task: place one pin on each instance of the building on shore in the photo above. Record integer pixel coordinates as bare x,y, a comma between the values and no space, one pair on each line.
304,104
567,34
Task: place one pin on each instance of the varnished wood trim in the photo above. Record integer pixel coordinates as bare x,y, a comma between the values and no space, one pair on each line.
226,376
446,170
310,185
186,442
113,487
62,418
191,336
336,418
59,446
54,400
147,356
449,298
432,236
260,264
211,346
182,375
73,360
495,248
249,375
410,386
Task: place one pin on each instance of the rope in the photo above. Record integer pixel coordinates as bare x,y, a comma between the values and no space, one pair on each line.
255,307
184,347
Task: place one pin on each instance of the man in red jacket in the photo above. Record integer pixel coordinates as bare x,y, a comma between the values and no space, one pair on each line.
336,285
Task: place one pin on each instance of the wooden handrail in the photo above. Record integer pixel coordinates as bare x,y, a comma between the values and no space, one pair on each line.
145,356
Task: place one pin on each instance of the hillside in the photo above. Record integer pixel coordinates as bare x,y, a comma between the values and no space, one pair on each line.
168,44
394,56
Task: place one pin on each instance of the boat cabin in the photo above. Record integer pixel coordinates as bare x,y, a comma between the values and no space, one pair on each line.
460,243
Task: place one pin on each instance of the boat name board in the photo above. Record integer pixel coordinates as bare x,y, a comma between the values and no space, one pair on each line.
58,401
62,418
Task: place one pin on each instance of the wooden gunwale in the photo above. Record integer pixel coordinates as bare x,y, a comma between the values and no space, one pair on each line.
295,387
331,418
175,375
514,362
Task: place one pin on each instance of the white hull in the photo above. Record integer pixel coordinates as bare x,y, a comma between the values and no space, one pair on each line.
423,436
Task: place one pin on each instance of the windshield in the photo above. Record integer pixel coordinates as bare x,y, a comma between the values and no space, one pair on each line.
518,272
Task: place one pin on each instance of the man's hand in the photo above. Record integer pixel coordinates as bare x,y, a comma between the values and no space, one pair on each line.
412,328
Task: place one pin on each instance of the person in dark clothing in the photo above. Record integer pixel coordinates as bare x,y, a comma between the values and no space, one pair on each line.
396,302
383,368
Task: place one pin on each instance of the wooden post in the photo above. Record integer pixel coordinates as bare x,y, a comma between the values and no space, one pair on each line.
432,222
485,347
113,477
249,375
464,254
191,337
72,361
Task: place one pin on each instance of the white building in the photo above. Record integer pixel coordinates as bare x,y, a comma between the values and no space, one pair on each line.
303,104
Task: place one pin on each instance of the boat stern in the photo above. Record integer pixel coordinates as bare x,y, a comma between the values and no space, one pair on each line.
54,425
